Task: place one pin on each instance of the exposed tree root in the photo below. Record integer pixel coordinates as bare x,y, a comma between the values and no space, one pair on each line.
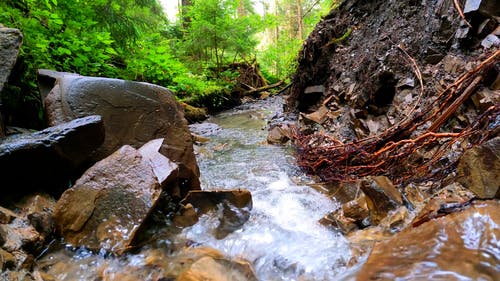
406,151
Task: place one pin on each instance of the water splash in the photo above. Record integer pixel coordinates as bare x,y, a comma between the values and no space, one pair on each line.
282,238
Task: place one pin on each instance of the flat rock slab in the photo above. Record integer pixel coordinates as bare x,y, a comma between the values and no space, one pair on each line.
108,204
459,246
45,159
133,114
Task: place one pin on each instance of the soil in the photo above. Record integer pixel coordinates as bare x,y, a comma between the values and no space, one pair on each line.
359,71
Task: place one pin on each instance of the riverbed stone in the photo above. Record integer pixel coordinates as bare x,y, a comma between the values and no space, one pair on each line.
381,197
19,235
7,260
279,134
6,215
461,245
479,169
108,204
233,207
133,113
48,158
38,210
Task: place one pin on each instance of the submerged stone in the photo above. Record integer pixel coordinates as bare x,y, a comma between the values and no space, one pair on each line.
233,207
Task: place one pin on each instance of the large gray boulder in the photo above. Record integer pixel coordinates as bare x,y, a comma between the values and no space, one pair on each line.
133,113
10,42
47,159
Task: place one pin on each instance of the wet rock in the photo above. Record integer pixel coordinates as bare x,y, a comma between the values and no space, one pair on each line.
485,98
351,216
38,210
133,114
356,209
209,264
194,114
490,40
279,134
381,197
232,206
461,246
187,216
17,275
7,260
48,158
319,116
10,42
6,215
338,220
396,220
109,203
47,79
163,168
314,89
486,7
19,235
479,169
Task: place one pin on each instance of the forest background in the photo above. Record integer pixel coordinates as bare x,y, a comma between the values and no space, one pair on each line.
135,40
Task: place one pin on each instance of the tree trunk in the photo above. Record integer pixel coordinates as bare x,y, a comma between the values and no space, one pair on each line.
300,23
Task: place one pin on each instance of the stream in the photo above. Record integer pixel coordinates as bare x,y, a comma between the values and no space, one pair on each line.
282,239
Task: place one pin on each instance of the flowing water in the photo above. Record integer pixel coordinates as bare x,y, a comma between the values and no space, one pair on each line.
282,239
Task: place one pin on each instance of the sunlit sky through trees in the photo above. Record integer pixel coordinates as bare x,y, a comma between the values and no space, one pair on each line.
170,7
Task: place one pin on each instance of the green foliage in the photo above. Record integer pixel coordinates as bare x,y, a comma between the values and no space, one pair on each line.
281,38
217,34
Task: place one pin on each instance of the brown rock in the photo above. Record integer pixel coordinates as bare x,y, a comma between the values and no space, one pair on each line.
236,206
356,209
381,197
338,221
133,113
6,215
279,134
210,269
108,204
19,235
194,114
38,209
48,158
319,116
7,260
187,216
479,169
209,264
460,246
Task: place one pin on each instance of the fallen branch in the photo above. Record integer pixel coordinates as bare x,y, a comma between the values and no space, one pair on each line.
261,89
460,12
